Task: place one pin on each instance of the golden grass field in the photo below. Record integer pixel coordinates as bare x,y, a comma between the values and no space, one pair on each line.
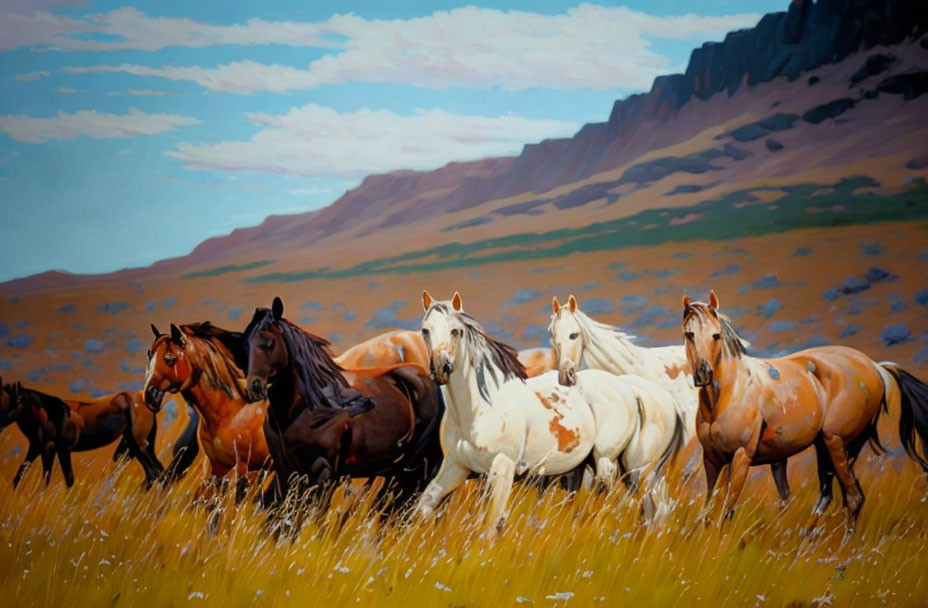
108,543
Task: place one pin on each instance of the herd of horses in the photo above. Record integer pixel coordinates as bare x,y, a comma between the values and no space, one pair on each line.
271,406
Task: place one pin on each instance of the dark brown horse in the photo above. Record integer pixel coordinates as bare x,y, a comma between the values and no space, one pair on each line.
56,427
325,422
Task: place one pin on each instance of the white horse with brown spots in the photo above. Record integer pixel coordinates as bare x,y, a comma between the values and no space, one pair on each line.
579,340
500,423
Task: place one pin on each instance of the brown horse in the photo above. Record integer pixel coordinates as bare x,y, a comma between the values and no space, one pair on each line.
758,411
199,362
391,348
403,346
325,422
55,426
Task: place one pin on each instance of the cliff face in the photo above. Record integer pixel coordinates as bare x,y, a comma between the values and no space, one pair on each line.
807,36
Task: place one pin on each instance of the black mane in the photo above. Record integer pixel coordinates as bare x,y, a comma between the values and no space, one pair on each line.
318,377
234,341
501,356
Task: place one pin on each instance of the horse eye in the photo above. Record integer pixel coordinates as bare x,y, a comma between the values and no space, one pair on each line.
455,332
574,336
716,336
688,335
170,360
425,333
267,346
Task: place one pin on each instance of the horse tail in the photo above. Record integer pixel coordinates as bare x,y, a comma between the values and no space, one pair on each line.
673,448
912,395
186,447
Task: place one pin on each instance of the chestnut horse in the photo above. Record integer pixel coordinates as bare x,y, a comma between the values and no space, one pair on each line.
757,411
325,422
203,363
54,426
403,346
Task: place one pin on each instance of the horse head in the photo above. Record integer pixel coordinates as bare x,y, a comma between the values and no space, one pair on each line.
266,348
567,339
702,336
443,332
169,369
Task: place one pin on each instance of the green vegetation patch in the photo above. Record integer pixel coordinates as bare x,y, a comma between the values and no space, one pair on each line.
212,272
735,215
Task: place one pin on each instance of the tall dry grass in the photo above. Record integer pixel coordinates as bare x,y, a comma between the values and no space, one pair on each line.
108,543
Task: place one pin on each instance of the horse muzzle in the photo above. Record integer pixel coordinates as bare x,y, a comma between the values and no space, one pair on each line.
441,369
567,376
702,375
257,390
153,398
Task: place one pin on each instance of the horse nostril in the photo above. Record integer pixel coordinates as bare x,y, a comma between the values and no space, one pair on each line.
446,369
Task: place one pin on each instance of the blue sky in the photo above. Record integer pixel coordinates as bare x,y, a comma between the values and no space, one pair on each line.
131,132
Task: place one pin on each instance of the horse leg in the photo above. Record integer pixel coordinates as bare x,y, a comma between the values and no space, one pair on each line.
450,476
64,459
48,461
605,473
738,474
122,450
778,470
850,487
826,476
31,454
501,477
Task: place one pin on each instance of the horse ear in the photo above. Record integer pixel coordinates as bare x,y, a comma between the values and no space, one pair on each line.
277,308
572,303
686,301
155,331
555,305
456,302
426,300
177,336
713,301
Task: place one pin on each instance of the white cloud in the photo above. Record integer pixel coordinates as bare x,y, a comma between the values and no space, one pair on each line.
64,126
151,93
588,46
316,140
134,29
66,90
32,76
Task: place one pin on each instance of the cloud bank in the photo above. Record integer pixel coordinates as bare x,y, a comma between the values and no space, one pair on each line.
90,123
587,46
315,140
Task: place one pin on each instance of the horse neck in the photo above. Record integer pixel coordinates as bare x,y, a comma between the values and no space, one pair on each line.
214,405
463,400
721,393
610,350
284,398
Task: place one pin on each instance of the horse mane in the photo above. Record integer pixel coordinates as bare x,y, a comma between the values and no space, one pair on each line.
489,355
234,341
730,339
219,368
319,378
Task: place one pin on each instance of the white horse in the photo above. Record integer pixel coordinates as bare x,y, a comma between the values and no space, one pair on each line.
595,345
501,423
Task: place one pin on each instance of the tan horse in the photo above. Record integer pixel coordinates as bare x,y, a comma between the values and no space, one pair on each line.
757,411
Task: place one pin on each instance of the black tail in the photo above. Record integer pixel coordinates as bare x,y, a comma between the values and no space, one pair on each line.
676,442
913,421
186,447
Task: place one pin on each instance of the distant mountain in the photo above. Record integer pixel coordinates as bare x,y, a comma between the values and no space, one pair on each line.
824,90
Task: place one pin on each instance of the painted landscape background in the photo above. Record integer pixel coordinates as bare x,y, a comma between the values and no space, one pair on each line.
785,169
